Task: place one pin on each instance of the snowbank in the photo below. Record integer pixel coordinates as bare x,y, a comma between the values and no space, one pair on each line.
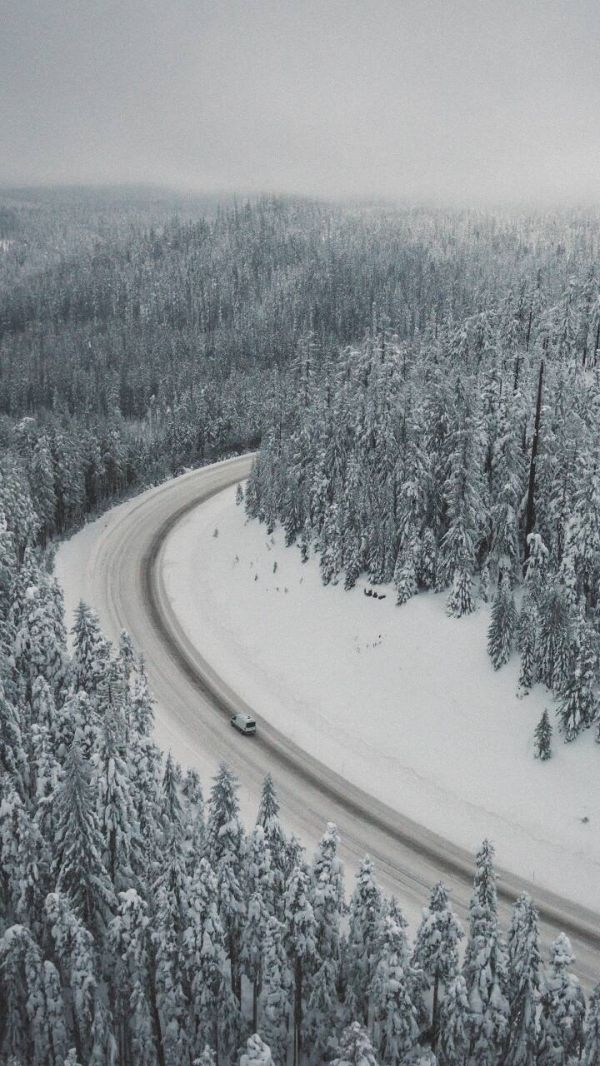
402,701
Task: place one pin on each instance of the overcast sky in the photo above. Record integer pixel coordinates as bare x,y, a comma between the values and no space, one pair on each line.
485,99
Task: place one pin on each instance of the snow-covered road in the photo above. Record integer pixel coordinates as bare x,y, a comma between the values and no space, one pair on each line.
114,564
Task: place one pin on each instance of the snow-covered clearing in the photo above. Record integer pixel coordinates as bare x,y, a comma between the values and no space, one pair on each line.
403,701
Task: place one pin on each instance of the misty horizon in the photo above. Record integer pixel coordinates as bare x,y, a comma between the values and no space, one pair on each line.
469,103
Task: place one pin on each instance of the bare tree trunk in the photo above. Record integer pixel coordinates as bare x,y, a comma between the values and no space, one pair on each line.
158,1036
435,1012
298,1013
530,511
529,322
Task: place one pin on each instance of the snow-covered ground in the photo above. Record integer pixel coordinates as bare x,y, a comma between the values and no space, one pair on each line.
403,701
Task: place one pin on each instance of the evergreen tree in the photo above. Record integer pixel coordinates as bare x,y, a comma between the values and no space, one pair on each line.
32,1027
116,814
225,848
257,1052
435,952
543,738
274,1023
91,651
523,984
172,810
275,840
328,896
321,1011
76,961
355,1048
405,573
214,1015
454,1037
300,943
259,887
591,1047
129,942
527,643
169,924
562,1009
395,1013
78,844
463,492
578,703
554,654
485,965
502,624
363,941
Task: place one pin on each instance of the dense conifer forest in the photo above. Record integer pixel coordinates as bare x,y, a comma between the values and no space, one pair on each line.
464,456
391,361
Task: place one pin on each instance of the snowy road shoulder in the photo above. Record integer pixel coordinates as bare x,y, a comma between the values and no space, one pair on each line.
403,702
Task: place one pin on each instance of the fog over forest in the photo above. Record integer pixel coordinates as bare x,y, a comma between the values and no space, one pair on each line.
470,101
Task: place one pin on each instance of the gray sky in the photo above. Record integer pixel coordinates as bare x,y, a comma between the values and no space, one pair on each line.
485,99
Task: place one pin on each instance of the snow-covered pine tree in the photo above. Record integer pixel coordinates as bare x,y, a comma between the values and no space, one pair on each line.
169,922
91,652
554,652
275,1000
192,800
454,1036
363,942
74,954
142,704
577,699
39,642
591,1032
330,546
172,810
24,861
405,572
356,1048
485,965
435,952
527,628
78,844
542,738
300,943
322,1011
562,1008
206,1058
503,622
28,1028
394,1011
258,882
327,896
427,561
225,852
214,1013
114,806
257,1053
464,500
129,944
523,984
275,840
536,568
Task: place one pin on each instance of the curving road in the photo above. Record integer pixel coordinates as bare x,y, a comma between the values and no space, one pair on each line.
122,580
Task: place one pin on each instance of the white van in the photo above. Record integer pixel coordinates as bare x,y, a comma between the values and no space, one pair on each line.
244,723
